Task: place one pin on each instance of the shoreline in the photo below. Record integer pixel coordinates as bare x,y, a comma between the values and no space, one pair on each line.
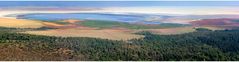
120,10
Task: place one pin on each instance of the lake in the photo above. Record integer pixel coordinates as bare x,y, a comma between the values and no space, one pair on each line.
129,18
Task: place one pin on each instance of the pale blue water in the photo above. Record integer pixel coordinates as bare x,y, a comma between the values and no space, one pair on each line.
102,4
88,16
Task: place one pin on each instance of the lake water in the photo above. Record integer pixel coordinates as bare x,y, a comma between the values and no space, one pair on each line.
87,16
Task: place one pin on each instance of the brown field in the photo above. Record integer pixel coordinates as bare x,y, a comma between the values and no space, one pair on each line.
104,33
19,23
215,27
72,30
55,25
170,31
215,22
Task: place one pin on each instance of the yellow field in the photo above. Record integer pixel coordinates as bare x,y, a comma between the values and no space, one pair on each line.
18,23
71,21
113,34
51,24
74,31
104,34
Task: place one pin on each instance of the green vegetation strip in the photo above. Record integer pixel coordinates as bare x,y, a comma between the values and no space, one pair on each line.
111,24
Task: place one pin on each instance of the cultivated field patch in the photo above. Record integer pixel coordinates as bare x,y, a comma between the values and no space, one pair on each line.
103,33
19,23
170,31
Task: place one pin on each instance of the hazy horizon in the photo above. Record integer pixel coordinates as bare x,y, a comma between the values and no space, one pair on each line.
152,7
115,3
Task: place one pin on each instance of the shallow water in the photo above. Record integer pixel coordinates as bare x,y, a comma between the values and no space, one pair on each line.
87,16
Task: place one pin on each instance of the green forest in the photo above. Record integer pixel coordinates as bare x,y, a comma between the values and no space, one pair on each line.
203,45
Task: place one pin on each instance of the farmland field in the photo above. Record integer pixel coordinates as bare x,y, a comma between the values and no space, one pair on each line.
16,23
104,34
119,31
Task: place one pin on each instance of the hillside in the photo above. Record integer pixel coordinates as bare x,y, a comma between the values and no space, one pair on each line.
200,45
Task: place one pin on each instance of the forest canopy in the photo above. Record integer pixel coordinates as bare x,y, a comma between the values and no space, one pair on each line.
200,45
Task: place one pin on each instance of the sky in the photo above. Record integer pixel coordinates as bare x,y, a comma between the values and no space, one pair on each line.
119,0
176,7
117,3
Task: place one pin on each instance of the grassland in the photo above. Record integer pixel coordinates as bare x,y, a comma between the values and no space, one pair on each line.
112,24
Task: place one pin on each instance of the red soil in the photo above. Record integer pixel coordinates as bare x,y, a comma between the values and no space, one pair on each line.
215,22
